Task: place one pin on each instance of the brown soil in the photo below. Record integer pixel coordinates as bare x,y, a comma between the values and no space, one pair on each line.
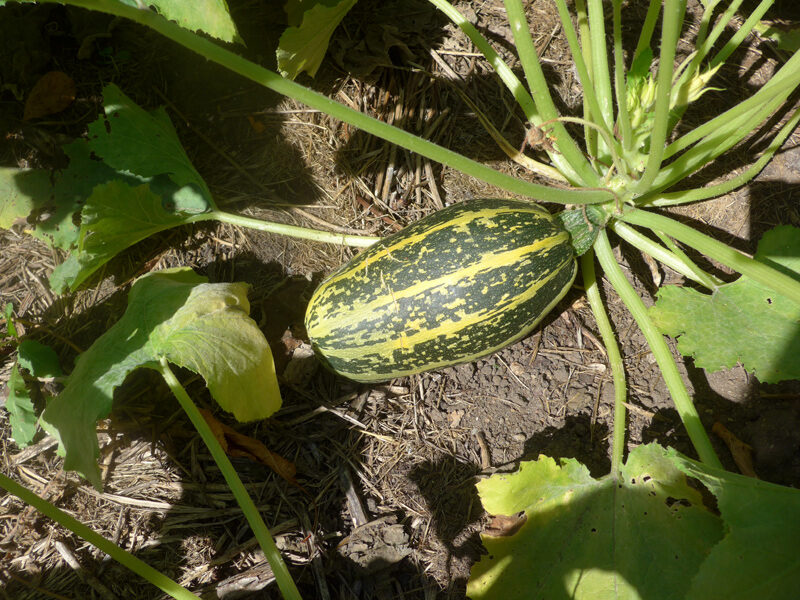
388,507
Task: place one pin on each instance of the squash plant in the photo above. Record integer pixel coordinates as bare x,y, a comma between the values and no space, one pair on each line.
630,161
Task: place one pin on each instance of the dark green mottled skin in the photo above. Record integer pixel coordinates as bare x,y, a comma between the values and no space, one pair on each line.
456,285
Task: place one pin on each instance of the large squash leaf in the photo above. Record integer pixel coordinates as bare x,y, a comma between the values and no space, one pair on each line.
643,535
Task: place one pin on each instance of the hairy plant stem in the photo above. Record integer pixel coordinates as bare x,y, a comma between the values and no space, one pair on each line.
670,33
304,233
661,352
271,80
540,91
125,558
761,272
673,260
260,530
614,360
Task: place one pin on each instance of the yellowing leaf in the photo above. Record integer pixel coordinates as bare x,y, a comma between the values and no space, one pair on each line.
174,313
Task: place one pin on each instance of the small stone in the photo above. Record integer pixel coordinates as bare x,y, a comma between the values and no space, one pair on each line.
517,369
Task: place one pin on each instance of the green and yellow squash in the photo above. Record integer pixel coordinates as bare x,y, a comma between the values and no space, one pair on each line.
454,286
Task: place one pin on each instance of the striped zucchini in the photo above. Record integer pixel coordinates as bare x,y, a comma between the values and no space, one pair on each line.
459,284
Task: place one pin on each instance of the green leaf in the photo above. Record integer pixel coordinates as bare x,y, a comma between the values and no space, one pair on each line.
174,313
741,322
642,536
211,16
11,329
115,217
787,38
758,556
20,409
47,203
128,138
302,47
39,360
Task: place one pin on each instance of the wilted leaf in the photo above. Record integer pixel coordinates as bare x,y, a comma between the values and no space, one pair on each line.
741,322
742,453
54,92
20,409
303,47
641,536
173,313
237,444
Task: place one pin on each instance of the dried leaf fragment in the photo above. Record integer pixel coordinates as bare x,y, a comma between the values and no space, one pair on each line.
237,444
54,92
505,525
741,452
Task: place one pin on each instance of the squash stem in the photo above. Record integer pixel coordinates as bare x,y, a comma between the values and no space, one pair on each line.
614,359
271,80
305,233
282,577
661,352
158,579
761,272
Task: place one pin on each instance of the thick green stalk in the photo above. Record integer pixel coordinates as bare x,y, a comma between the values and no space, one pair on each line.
719,189
649,25
742,31
602,76
710,148
707,278
661,352
670,33
761,272
593,112
544,102
275,82
589,112
620,85
123,557
747,115
505,73
662,255
705,42
614,359
260,530
304,233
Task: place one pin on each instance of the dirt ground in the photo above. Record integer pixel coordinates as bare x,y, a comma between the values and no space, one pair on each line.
387,507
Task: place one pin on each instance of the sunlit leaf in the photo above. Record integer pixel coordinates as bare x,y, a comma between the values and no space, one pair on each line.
47,204
210,16
115,217
129,138
641,536
39,360
741,322
758,556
